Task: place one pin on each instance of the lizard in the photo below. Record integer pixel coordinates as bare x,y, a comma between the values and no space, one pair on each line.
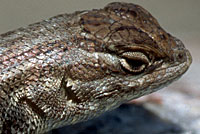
74,67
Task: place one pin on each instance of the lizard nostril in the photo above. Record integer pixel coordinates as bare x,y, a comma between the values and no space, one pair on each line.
181,56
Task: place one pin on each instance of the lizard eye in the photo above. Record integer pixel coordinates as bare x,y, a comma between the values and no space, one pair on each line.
134,61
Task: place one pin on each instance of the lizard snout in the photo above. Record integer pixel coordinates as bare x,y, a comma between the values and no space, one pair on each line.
181,54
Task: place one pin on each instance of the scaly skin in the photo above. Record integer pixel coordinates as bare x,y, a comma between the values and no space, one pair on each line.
73,67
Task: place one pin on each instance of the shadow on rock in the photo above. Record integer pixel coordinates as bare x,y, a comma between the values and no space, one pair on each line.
127,119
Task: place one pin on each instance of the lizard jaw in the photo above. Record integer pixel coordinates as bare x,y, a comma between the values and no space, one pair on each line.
160,77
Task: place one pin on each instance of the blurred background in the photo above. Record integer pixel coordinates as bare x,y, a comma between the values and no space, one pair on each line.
177,106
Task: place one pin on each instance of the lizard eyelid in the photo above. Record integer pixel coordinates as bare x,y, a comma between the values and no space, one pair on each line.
134,62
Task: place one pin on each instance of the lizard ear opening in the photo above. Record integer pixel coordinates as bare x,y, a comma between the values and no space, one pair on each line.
134,62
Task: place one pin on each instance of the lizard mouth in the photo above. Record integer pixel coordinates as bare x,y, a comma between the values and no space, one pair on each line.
161,76
157,72
181,64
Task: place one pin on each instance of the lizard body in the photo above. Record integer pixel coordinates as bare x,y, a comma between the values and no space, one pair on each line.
73,67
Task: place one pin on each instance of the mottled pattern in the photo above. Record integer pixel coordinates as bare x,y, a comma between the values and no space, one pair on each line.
73,67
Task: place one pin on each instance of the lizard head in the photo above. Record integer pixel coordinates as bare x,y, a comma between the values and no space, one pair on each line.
109,56
123,54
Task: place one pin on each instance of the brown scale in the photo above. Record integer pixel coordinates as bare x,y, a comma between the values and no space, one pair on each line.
131,24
